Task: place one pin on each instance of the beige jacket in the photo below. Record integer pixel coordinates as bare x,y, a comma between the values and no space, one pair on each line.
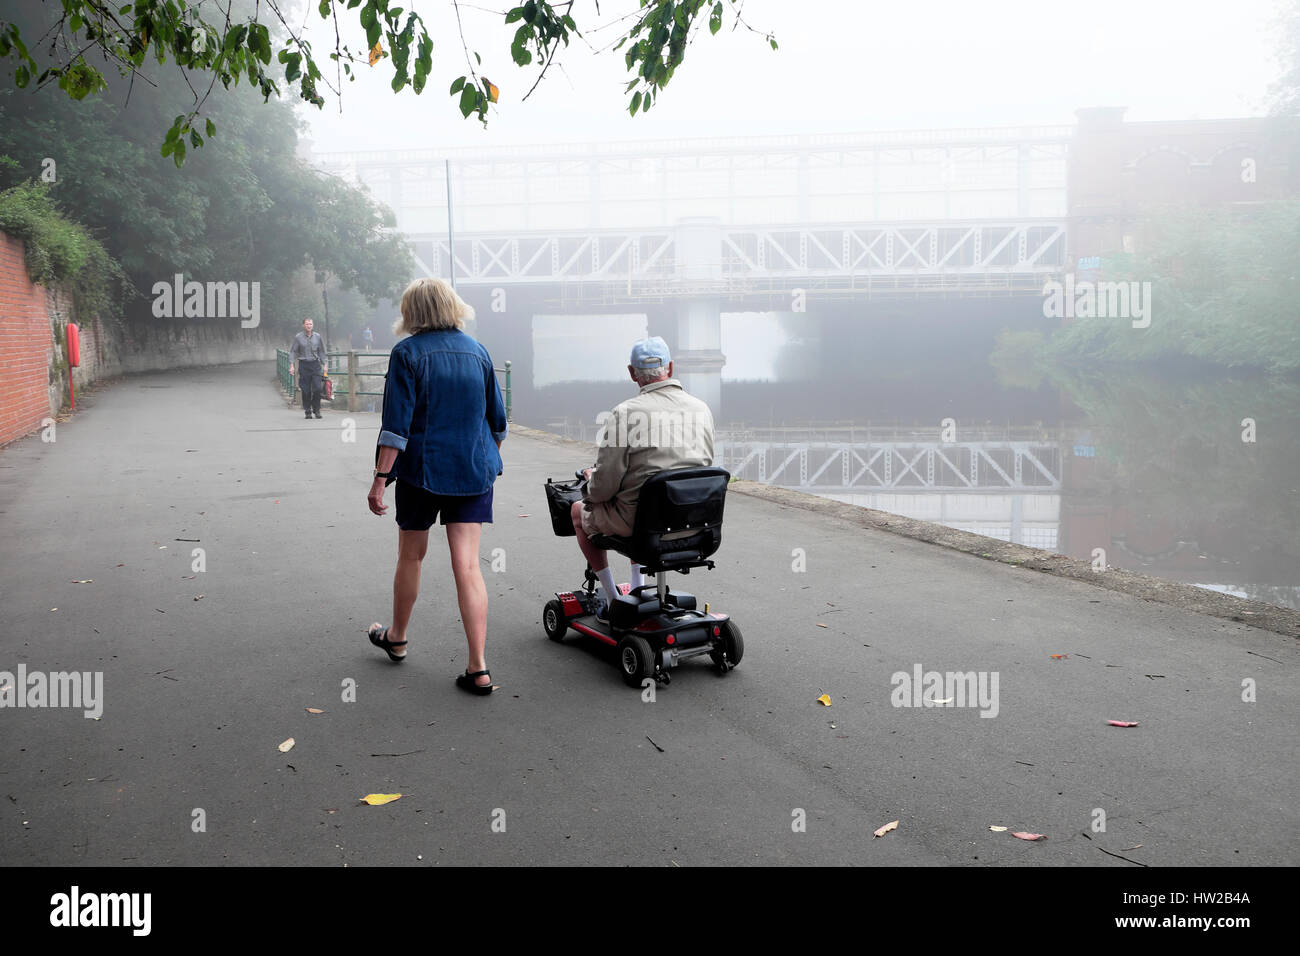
660,428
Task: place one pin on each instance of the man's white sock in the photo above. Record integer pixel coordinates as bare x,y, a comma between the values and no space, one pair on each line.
636,579
606,577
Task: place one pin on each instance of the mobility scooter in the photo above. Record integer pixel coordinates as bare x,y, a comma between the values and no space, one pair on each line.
678,525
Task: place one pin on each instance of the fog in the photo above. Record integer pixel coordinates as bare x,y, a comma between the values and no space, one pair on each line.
842,66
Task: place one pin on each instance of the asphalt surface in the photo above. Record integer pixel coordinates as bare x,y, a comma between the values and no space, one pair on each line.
206,673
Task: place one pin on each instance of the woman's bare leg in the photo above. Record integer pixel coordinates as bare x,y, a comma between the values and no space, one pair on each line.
471,593
411,548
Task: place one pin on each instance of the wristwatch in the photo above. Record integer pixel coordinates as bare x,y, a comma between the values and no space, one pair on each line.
383,474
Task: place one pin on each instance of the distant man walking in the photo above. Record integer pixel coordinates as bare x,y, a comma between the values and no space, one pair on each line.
308,351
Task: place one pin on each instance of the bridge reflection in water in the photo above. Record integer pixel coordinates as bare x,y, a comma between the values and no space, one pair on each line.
1004,487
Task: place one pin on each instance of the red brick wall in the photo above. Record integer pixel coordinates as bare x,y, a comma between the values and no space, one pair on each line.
25,346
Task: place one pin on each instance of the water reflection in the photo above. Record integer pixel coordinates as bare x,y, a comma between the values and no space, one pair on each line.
1158,472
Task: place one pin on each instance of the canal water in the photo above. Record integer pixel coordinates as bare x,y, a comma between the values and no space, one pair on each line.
1185,474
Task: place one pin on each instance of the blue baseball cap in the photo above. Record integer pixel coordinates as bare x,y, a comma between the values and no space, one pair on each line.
650,353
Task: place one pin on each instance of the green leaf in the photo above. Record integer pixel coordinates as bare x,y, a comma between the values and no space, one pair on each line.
515,14
773,42
715,18
636,103
324,9
468,100
530,11
21,76
212,128
457,85
195,138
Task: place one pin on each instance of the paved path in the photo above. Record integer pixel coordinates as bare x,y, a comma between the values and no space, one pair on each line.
199,693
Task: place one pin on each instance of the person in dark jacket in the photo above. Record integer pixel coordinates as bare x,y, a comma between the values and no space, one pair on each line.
440,441
308,361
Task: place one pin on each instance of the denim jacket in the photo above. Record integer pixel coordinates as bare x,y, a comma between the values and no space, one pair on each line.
443,413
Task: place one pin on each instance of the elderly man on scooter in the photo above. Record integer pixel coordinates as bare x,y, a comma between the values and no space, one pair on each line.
660,428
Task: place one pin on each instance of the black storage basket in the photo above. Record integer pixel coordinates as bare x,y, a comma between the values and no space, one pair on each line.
560,496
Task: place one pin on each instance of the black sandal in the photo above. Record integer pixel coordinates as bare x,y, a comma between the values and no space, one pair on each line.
380,640
465,681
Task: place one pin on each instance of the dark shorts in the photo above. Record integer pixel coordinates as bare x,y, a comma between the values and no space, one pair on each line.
417,508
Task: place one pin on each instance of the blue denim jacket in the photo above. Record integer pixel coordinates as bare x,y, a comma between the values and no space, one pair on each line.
443,413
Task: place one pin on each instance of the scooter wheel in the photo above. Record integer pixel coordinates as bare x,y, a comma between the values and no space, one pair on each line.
731,643
635,659
553,620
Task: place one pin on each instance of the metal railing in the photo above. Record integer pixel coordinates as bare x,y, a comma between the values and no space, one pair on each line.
348,369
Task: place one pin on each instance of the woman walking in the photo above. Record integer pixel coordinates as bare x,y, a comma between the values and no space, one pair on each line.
443,425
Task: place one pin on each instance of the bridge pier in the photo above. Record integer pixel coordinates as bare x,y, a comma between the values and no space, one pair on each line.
697,353
697,349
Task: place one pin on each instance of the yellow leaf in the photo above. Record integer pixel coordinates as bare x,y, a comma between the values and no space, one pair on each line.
998,829
376,52
314,710
824,700
492,91
379,799
886,828
286,746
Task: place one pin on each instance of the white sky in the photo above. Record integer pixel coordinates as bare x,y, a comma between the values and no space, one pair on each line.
842,66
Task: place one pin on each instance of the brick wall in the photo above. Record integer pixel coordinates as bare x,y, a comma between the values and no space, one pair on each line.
26,346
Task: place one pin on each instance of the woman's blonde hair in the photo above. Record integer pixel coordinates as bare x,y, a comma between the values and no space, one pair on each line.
431,304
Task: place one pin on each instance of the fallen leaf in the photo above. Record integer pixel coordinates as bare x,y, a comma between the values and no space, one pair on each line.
54,609
523,516
1027,836
286,746
886,828
820,624
199,598
379,799
1135,847
998,829
314,710
87,581
824,700
1122,723
946,700
1059,657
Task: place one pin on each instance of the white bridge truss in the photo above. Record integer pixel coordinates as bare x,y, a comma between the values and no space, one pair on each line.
908,210
900,466
1019,255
